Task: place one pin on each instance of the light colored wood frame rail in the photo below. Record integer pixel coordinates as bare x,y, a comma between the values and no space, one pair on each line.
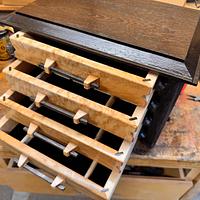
106,118
116,82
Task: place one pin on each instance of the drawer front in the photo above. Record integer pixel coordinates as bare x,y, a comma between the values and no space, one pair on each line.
48,105
116,82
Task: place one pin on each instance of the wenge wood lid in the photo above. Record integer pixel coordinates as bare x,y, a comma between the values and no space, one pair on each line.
139,32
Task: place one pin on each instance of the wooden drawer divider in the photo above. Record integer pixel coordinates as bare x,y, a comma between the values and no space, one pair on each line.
109,79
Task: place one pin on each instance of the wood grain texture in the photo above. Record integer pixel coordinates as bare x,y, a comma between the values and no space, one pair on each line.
16,2
113,81
133,187
52,166
17,113
174,2
106,118
9,7
126,147
146,24
179,144
128,187
99,48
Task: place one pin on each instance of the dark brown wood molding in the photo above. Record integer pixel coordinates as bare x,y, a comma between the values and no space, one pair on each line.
99,46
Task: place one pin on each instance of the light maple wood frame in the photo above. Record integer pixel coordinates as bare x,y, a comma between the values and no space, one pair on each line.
116,82
100,116
20,114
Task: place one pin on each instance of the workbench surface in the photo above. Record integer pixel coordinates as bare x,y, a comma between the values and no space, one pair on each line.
179,142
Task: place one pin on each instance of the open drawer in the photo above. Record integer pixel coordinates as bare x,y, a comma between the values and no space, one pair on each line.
92,149
123,84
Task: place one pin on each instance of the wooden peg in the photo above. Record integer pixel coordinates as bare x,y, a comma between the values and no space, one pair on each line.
22,160
39,98
49,63
57,181
89,80
26,139
80,114
69,148
31,129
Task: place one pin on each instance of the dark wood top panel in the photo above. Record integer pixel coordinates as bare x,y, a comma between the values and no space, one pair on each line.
97,48
148,24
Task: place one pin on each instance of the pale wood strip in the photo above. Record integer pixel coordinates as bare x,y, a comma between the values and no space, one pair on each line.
106,118
129,187
116,82
16,2
9,7
87,146
151,188
175,2
57,181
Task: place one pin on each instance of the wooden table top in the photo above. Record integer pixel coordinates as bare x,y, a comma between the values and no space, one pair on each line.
147,24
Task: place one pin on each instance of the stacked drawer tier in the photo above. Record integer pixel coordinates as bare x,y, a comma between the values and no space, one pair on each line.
91,112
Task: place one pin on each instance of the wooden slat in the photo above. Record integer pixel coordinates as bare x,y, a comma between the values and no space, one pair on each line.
87,146
23,181
106,118
126,147
174,2
50,165
99,135
116,82
129,187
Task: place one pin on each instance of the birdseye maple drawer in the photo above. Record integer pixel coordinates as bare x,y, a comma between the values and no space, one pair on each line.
33,132
112,80
89,115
